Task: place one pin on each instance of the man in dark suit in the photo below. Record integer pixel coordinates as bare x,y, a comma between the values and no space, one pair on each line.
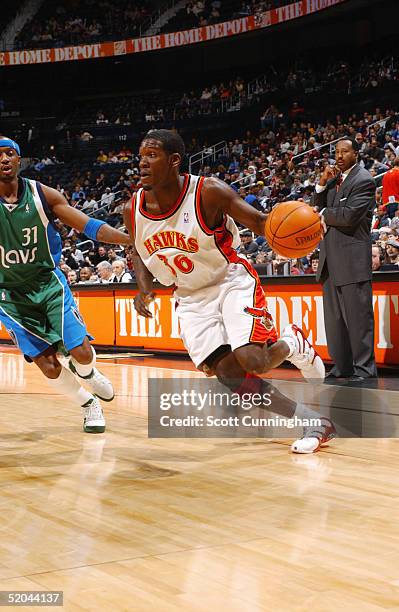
345,198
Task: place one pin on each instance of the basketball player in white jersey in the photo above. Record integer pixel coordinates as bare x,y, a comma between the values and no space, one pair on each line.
184,235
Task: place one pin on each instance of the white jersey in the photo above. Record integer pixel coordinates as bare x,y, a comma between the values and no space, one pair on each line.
178,248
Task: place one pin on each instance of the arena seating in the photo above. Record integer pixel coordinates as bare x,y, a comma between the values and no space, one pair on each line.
83,21
86,21
264,167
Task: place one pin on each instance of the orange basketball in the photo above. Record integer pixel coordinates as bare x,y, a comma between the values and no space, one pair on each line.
293,229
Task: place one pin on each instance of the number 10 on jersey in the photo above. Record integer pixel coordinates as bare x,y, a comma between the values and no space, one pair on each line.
181,262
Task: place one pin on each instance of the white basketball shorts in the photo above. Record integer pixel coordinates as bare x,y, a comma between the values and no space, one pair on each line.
233,312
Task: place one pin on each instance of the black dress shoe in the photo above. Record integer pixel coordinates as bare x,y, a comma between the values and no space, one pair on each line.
356,379
336,377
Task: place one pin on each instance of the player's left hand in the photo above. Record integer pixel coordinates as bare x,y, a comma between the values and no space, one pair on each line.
141,303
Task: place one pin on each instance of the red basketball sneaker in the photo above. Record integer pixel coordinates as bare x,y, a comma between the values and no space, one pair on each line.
315,437
302,354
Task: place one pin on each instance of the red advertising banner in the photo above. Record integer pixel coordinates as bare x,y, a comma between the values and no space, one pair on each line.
112,320
171,40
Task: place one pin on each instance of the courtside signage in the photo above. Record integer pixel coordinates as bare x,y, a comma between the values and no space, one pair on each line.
113,321
171,40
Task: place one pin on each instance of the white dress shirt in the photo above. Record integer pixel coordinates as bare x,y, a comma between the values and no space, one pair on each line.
321,188
125,278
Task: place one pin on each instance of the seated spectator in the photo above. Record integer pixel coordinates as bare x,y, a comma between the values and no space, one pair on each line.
281,266
262,258
69,258
72,277
104,271
85,275
378,257
250,176
296,189
107,197
296,268
114,217
237,148
101,118
112,255
89,204
395,221
385,234
252,198
77,254
89,258
119,274
314,264
124,154
392,256
248,245
263,191
101,255
85,136
380,217
102,157
198,8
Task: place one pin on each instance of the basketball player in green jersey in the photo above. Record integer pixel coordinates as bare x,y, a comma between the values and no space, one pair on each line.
36,304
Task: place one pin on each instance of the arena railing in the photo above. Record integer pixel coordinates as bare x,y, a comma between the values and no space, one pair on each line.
378,176
212,151
332,142
93,213
318,148
245,178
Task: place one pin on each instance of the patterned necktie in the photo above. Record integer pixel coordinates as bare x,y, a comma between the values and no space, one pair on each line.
340,180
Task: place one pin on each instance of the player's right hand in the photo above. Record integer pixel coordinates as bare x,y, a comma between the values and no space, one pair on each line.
330,172
322,221
141,303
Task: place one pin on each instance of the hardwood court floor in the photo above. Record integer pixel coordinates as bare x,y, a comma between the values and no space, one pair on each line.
121,522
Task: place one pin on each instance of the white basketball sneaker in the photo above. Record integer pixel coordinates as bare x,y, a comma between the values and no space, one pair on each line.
303,355
98,383
315,437
93,417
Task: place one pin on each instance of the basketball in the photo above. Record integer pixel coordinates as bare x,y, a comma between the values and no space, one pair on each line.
293,229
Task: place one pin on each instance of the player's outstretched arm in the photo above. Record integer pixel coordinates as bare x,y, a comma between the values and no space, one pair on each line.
144,277
219,198
79,220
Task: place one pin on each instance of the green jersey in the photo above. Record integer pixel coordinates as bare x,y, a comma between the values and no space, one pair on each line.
30,245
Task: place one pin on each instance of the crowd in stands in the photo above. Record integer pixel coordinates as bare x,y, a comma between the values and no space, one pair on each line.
87,21
83,21
297,82
95,264
283,161
200,13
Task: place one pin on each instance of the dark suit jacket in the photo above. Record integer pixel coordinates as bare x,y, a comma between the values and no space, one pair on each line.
346,248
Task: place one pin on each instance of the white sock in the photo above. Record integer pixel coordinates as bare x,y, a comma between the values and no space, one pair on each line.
67,384
291,343
84,370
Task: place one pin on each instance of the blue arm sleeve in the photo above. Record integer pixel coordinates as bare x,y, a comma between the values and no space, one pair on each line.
91,228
